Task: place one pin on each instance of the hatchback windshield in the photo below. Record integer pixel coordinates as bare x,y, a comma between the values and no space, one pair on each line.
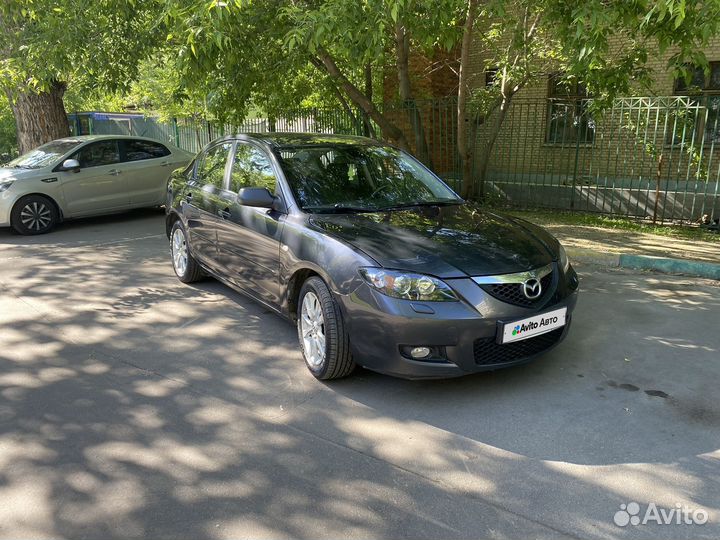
44,155
360,178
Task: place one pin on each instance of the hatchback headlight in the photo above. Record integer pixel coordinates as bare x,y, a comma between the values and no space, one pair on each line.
408,286
4,186
563,259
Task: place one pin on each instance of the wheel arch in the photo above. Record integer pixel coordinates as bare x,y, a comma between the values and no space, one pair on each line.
295,283
50,198
170,220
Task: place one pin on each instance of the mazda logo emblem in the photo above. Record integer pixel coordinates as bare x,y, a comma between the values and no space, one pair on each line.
532,288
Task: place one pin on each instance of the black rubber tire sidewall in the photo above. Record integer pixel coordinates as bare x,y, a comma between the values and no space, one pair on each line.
193,272
338,361
17,224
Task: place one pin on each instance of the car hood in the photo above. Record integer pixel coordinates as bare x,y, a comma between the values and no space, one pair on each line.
451,241
7,173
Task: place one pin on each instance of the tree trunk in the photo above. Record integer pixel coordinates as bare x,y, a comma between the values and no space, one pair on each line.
466,146
402,48
389,130
484,160
367,125
343,103
40,117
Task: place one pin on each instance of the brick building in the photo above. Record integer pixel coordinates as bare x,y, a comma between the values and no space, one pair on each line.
553,151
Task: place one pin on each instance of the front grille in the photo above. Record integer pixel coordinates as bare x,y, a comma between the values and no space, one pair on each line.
488,352
512,293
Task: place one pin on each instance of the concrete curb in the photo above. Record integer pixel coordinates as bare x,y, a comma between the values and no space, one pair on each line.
647,262
671,266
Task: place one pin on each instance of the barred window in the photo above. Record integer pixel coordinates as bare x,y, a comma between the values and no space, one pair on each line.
705,87
568,120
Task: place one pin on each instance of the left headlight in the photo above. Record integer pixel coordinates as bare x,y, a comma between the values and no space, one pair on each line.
563,259
408,286
4,186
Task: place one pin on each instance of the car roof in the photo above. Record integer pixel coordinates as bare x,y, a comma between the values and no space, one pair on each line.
85,138
281,140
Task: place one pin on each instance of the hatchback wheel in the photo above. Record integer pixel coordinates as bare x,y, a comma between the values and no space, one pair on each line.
185,266
34,214
321,331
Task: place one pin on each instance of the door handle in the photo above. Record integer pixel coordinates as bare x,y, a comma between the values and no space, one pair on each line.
224,213
114,172
164,164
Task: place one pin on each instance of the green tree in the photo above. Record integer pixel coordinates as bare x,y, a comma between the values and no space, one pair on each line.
8,141
46,45
277,53
604,44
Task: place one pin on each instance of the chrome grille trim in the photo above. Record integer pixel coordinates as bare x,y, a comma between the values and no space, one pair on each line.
519,277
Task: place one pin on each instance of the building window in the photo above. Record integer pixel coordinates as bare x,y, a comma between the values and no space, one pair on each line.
705,89
490,76
568,121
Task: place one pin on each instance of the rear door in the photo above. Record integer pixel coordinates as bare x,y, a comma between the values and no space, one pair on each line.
204,199
147,167
248,237
99,186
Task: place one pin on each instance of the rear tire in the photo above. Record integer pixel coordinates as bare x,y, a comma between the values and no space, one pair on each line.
321,331
186,267
34,214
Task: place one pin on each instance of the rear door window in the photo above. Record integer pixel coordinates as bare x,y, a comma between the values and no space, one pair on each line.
137,150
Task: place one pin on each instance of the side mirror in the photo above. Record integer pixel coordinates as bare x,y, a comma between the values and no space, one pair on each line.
71,165
256,196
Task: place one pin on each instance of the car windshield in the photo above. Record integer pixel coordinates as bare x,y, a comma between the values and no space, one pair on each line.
44,155
360,178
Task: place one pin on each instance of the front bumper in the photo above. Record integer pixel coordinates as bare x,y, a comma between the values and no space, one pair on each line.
7,200
462,332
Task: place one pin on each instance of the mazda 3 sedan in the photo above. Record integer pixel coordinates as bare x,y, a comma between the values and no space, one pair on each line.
85,176
376,260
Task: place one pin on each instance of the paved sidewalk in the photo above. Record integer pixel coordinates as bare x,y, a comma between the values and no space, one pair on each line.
634,249
133,406
617,241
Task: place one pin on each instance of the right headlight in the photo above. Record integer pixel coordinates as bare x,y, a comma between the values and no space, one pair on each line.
563,259
4,186
408,286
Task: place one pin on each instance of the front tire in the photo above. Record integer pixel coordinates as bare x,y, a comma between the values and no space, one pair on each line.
34,214
321,331
186,267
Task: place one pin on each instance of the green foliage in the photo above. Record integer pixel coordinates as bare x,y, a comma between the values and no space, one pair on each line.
8,143
92,43
607,44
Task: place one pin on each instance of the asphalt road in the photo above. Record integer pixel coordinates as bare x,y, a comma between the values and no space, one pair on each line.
132,406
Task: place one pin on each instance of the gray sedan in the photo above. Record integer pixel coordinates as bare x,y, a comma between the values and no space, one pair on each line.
377,261
85,176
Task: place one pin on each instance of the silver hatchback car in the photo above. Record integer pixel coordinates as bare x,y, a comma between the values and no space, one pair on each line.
85,176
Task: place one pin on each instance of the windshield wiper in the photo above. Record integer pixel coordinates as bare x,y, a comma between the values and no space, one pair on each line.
413,204
340,209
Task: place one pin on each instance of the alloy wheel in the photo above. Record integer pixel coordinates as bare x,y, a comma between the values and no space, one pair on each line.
312,326
179,252
36,216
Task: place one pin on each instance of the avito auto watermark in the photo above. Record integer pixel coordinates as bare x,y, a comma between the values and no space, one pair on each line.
631,514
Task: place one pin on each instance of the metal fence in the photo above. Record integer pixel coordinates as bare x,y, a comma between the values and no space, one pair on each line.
644,157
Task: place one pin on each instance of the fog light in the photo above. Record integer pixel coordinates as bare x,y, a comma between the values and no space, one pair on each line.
420,352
